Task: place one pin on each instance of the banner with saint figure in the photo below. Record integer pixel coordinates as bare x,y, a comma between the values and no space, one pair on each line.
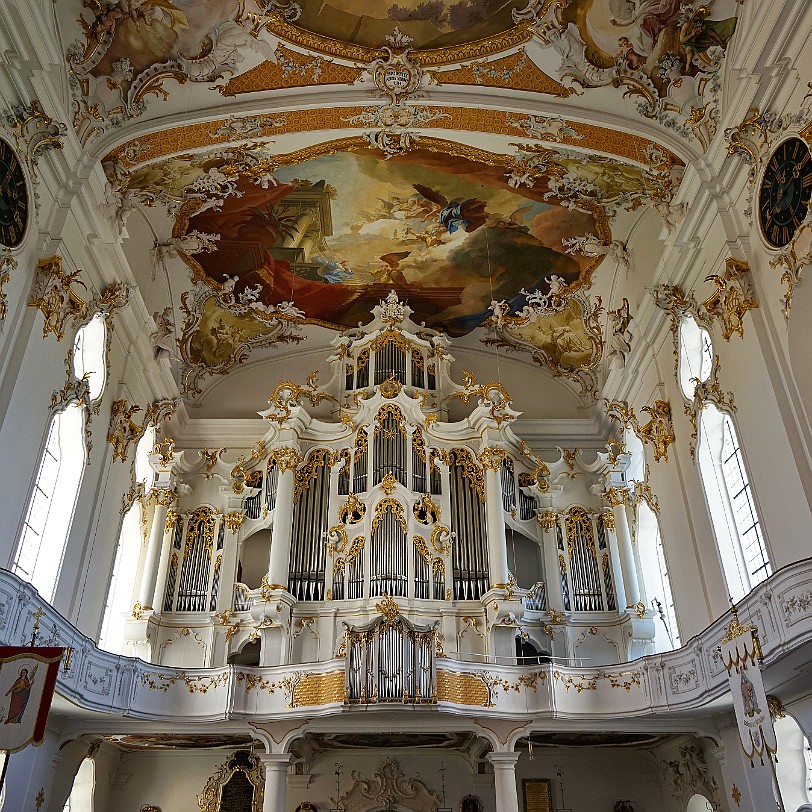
27,680
741,655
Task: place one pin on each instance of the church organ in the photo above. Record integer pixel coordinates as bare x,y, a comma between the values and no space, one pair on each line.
382,497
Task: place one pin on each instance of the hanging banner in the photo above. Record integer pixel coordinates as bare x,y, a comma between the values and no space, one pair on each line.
27,680
741,655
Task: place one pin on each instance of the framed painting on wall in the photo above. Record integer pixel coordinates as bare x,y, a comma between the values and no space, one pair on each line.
537,795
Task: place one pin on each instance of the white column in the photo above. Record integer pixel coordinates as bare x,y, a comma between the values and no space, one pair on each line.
495,525
282,528
163,498
276,769
504,779
627,563
552,566
163,564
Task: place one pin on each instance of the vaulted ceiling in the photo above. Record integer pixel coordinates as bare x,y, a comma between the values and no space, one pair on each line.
277,167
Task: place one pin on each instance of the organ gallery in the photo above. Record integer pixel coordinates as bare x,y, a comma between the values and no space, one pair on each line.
404,407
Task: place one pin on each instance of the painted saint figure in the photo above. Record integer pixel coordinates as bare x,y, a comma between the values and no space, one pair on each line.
751,707
20,694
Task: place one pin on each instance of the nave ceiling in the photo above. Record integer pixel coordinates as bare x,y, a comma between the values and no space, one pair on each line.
278,167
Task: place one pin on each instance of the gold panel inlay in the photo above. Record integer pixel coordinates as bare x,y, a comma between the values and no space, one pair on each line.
462,689
319,689
291,69
177,140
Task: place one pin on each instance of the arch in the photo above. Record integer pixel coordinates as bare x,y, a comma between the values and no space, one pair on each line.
793,767
255,551
90,355
46,527
731,503
695,355
84,785
699,803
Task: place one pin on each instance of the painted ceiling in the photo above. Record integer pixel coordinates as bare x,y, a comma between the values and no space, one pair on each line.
293,162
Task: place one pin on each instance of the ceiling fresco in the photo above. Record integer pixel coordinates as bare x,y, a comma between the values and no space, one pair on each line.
335,234
504,245
666,55
490,211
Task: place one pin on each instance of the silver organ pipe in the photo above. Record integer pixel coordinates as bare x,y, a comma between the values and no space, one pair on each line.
253,504
362,373
584,571
390,660
431,377
390,363
508,480
271,484
215,579
422,568
310,523
355,578
562,561
419,484
172,573
388,573
470,560
527,504
360,461
344,473
193,585
435,478
606,566
438,570
389,447
418,364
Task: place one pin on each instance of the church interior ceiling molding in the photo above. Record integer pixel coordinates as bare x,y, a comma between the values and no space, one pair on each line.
501,244
286,217
666,56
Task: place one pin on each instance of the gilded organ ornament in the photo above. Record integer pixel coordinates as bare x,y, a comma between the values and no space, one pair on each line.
125,432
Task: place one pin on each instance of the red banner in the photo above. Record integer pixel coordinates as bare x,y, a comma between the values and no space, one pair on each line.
27,680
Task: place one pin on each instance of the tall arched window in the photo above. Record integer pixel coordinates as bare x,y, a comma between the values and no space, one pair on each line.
46,527
81,796
651,554
730,498
121,593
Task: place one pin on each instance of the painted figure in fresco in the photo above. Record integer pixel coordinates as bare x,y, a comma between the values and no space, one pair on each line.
751,707
467,215
145,29
645,21
20,693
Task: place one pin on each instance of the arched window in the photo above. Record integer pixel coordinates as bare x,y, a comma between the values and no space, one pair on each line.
89,353
46,527
50,511
793,767
731,502
651,552
81,795
120,594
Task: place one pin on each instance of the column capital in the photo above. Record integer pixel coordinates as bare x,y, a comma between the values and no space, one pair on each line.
503,760
278,762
